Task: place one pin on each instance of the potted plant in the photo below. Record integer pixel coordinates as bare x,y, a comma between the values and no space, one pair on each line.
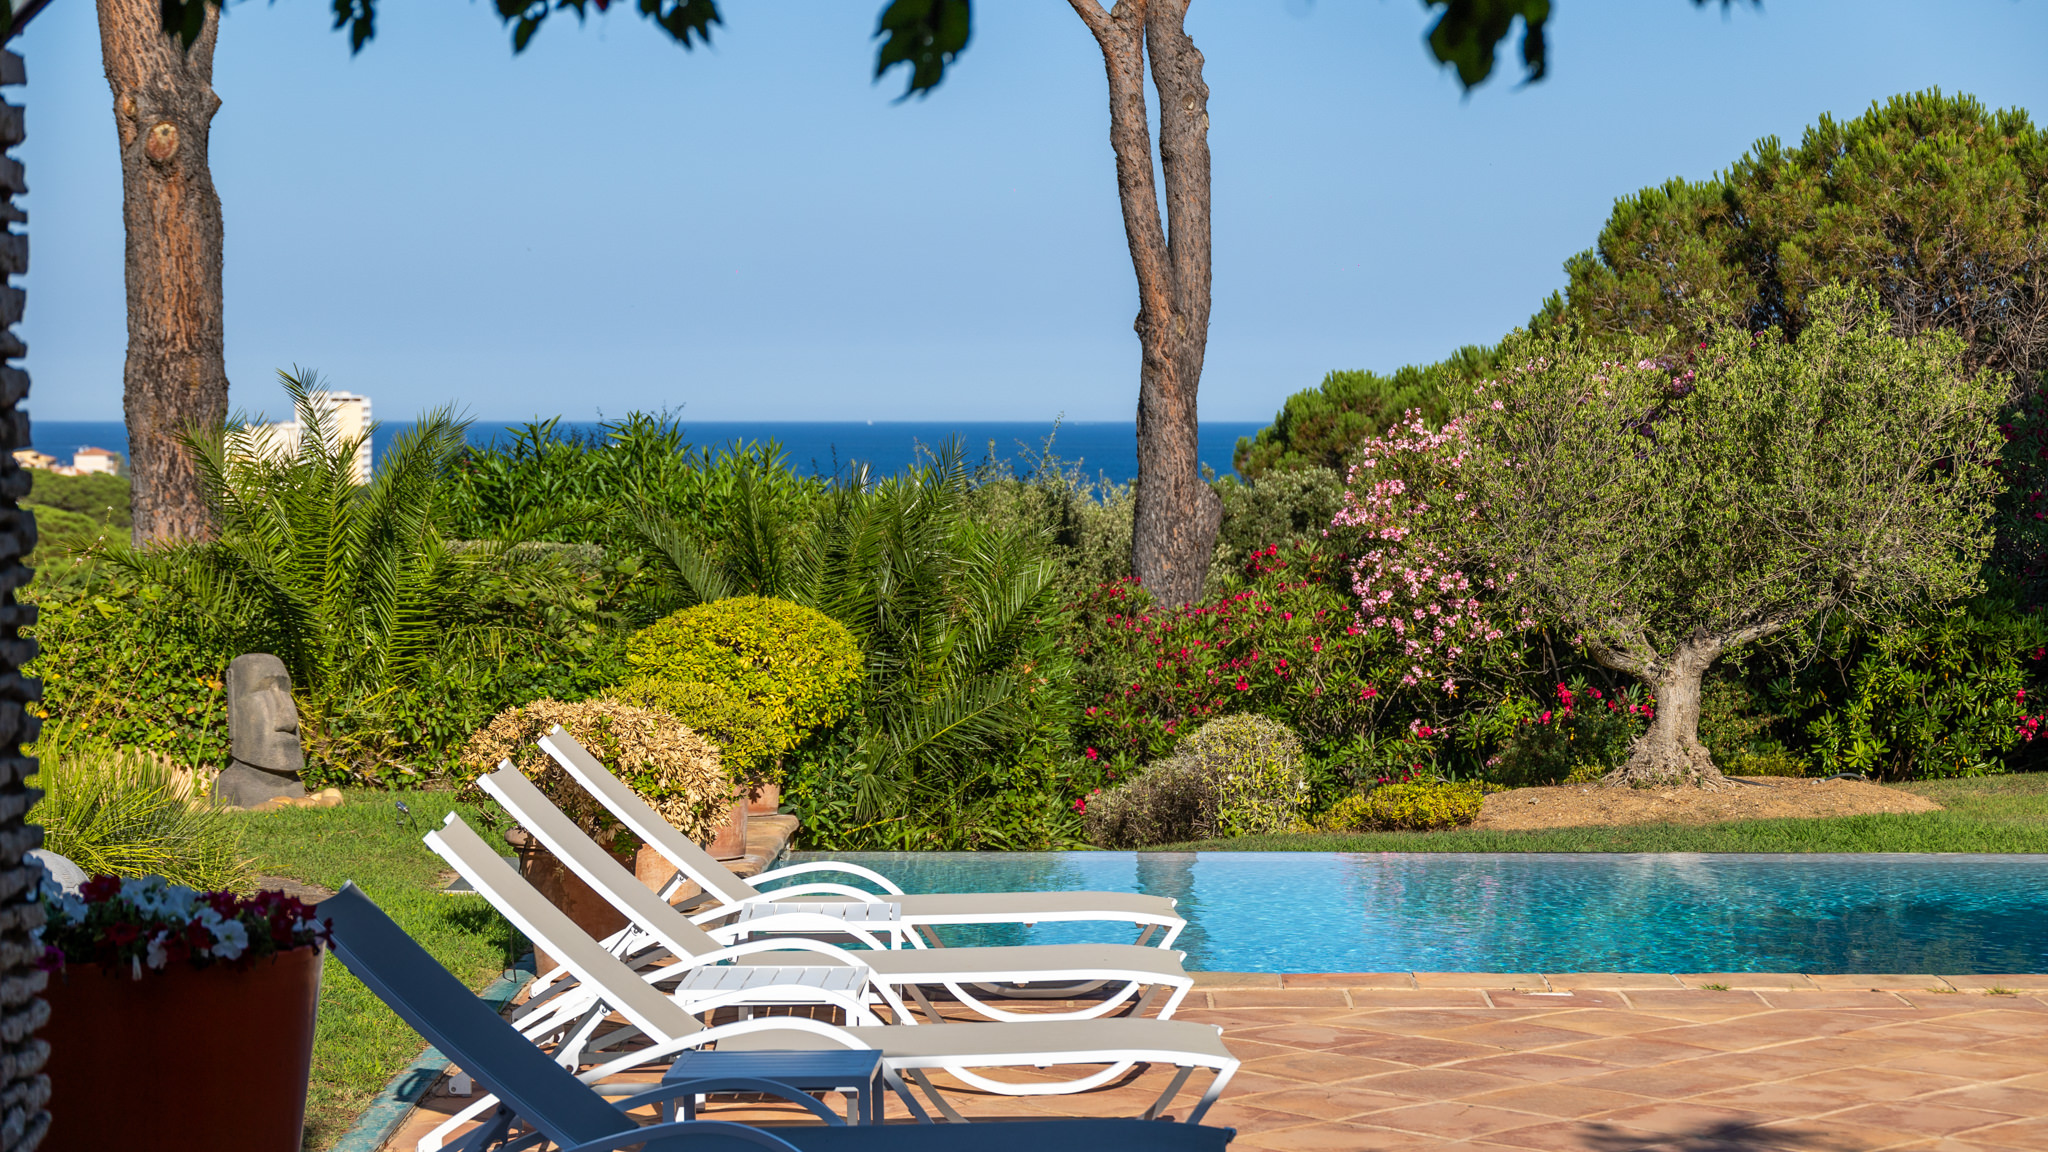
178,1019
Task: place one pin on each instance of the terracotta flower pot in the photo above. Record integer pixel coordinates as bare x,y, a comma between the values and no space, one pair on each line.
184,1058
729,840
764,800
567,891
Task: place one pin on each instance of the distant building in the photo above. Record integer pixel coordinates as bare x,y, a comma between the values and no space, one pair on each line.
90,460
30,458
346,415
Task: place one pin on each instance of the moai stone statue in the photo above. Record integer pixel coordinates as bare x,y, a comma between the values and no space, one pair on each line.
263,727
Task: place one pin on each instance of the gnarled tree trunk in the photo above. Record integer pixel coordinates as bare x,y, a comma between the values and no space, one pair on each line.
175,375
1177,514
1669,752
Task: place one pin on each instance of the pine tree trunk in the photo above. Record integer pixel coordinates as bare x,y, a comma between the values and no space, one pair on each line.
1177,514
175,375
24,1089
1670,752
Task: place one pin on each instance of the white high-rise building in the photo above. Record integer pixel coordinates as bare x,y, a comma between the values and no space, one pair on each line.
345,414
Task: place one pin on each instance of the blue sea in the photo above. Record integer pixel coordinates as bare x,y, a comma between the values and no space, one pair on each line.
1103,449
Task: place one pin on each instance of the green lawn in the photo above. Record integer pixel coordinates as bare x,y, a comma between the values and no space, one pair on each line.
1988,814
361,1044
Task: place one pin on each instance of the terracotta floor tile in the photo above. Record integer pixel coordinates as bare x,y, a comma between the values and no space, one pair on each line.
1502,980
1436,1083
1329,1101
2020,1101
2031,1132
1851,1049
1420,1021
1342,1137
1419,997
1841,998
1318,1067
1252,1118
1655,998
1630,980
1419,1051
1311,1036
1864,982
1347,980
1603,1022
1720,1037
1249,1082
1571,1136
1831,1134
1568,1101
1879,1083
1667,1082
1541,1067
1631,1051
1248,1050
1556,1000
1451,1118
1923,1117
1519,1035
1742,980
1684,1118
1241,1018
1786,1098
1762,1064
1279,998
2035,982
1973,1065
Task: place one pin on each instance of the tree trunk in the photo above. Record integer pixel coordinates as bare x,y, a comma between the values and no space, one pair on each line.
1177,514
24,1089
175,376
1670,752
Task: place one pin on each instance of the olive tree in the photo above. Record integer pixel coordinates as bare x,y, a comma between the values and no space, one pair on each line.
1664,513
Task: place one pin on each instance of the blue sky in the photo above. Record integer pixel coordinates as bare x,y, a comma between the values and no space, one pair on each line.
756,231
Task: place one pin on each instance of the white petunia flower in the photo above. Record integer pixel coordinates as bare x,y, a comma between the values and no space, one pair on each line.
156,957
230,940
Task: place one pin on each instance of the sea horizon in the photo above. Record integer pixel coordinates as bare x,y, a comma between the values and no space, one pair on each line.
1102,450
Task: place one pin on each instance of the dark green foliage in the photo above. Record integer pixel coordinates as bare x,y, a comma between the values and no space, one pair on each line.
924,34
1323,426
1582,731
102,498
1932,202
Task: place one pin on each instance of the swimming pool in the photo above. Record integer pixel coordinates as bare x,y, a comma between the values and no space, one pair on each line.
1536,912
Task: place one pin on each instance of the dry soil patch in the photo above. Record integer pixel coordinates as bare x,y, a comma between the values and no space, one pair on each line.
1577,805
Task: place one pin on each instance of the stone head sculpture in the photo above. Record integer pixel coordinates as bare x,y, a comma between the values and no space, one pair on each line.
263,731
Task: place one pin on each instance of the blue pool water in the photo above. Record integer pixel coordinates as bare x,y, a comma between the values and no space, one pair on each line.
1398,912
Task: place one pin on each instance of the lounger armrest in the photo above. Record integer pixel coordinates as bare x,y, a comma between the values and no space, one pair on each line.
820,888
781,944
869,874
686,1130
727,933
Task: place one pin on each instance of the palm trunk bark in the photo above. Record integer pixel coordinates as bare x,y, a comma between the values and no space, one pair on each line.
1177,514
175,375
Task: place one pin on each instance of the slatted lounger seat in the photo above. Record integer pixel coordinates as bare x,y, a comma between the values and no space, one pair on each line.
535,1100
1151,914
992,972
907,1050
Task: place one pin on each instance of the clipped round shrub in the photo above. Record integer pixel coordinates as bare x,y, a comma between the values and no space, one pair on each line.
674,769
1256,764
748,741
1237,775
1421,806
796,665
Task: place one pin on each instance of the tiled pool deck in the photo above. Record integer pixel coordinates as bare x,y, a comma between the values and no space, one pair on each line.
1599,1062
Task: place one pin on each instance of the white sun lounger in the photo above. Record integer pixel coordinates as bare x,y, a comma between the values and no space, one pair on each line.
753,910
538,1100
666,932
1114,1044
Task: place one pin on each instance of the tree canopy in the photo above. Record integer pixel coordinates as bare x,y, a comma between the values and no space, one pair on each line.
1322,427
1663,511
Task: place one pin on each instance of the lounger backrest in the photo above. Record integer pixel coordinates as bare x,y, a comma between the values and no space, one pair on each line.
547,926
645,822
624,891
463,1027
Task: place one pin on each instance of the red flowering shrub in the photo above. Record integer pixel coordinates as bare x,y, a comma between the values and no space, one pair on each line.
1285,645
153,923
1580,728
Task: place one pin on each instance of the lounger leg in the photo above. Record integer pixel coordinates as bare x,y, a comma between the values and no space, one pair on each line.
1172,1089
917,991
938,1101
896,1084
1215,1089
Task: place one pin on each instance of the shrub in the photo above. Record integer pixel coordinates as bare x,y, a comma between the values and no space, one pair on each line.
675,770
1583,733
1237,775
131,812
1419,806
749,743
795,664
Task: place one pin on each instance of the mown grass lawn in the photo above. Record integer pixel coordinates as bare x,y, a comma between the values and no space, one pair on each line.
361,1044
1987,814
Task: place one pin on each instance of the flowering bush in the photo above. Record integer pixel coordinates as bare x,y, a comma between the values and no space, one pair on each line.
1284,645
1405,486
152,923
1582,730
